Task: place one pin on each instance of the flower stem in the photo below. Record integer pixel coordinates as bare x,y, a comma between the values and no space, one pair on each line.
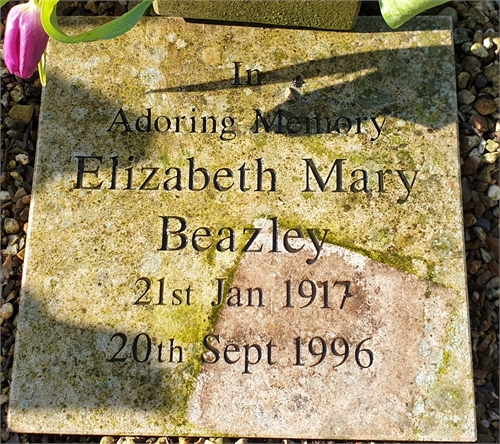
42,71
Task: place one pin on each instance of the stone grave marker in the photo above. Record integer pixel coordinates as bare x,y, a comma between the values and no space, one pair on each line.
239,231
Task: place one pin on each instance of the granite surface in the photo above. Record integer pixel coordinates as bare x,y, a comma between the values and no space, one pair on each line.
235,232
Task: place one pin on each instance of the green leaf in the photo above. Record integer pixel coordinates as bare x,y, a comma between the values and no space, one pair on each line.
118,26
397,12
2,2
42,71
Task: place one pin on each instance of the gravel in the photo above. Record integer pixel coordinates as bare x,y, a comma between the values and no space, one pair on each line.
476,40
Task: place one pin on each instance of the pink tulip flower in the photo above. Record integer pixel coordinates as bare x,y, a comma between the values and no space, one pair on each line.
25,39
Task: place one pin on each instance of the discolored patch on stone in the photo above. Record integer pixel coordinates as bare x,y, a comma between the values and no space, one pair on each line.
208,257
361,338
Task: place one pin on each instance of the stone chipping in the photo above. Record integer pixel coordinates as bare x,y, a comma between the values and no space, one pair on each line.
476,36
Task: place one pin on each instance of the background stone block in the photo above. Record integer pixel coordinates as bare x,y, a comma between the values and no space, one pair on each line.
323,14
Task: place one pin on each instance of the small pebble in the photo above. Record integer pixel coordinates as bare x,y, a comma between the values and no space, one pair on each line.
476,15
491,71
485,173
494,245
469,142
461,35
451,12
126,440
6,310
4,196
479,232
491,146
471,64
24,215
465,97
480,409
483,223
21,113
470,165
16,135
494,416
485,423
472,268
11,249
20,193
478,36
22,159
490,33
479,50
490,157
479,122
103,6
463,80
485,106
469,219
26,199
494,192
493,283
494,268
488,43
486,256
11,226
480,81
14,124
107,440
467,235
466,191
466,47
91,6
16,176
16,95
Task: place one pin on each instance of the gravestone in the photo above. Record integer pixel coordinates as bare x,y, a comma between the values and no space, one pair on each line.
247,232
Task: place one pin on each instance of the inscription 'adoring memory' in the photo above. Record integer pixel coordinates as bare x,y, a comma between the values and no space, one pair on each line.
279,124
255,237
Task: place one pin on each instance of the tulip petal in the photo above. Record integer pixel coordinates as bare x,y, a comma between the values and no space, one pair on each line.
12,38
25,39
33,42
